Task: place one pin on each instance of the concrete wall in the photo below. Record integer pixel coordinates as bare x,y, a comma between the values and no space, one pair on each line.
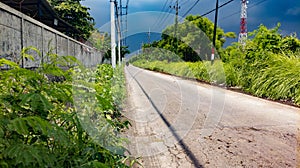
18,31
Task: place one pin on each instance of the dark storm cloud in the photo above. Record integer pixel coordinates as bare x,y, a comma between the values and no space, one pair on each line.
99,9
272,12
266,12
293,11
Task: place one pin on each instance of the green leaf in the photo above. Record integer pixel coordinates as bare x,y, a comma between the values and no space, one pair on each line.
28,56
19,126
38,103
97,164
24,155
9,63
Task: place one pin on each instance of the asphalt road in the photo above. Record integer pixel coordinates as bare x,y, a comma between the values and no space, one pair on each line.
183,123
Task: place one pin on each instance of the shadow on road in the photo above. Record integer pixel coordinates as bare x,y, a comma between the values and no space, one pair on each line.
171,128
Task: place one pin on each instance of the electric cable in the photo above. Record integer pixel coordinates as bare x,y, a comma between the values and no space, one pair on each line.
190,8
237,12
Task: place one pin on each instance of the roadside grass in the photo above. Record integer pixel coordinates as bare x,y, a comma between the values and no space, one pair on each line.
275,77
203,71
279,79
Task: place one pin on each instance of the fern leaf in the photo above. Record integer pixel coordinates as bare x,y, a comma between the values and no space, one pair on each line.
19,126
28,56
38,103
9,63
24,155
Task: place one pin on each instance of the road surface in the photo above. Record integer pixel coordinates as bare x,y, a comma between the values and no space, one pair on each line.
182,123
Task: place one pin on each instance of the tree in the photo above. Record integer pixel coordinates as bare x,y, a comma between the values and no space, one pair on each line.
272,40
124,51
100,40
75,14
193,38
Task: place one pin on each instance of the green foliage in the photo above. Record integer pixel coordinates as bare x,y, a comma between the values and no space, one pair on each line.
40,124
279,80
102,42
75,14
8,63
156,54
193,39
103,87
268,66
119,87
124,51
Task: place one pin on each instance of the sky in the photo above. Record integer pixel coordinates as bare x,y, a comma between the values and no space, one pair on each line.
154,15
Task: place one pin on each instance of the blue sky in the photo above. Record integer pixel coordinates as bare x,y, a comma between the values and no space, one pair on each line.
149,14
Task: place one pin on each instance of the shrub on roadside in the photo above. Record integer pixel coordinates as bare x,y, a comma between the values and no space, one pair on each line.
40,123
267,66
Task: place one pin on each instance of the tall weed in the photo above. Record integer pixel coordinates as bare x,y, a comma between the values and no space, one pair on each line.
39,121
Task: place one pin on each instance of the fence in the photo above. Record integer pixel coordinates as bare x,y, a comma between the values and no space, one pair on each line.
18,31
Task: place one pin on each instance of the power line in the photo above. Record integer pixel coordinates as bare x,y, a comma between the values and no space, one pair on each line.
225,17
165,5
126,22
161,17
118,24
121,21
190,8
183,3
127,4
237,12
257,3
226,3
165,16
214,33
176,7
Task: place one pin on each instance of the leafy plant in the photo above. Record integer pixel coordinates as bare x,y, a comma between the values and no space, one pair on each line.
40,125
267,66
192,42
75,14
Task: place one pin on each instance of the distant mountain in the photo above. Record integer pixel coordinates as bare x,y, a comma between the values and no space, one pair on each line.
136,41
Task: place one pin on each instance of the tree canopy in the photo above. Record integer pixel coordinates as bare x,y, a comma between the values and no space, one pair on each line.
193,39
75,14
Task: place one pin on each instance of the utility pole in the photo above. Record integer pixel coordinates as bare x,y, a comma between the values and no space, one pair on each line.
113,33
119,14
149,36
124,33
214,35
176,7
176,26
119,40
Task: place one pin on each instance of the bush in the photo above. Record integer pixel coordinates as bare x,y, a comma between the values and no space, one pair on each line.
279,79
42,126
267,66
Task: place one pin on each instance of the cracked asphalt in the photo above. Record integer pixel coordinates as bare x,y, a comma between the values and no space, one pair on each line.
183,123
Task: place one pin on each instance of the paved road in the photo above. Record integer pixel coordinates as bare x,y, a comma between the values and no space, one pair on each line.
181,123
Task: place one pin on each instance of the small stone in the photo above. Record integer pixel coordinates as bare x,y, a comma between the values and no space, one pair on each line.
181,155
174,151
185,164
